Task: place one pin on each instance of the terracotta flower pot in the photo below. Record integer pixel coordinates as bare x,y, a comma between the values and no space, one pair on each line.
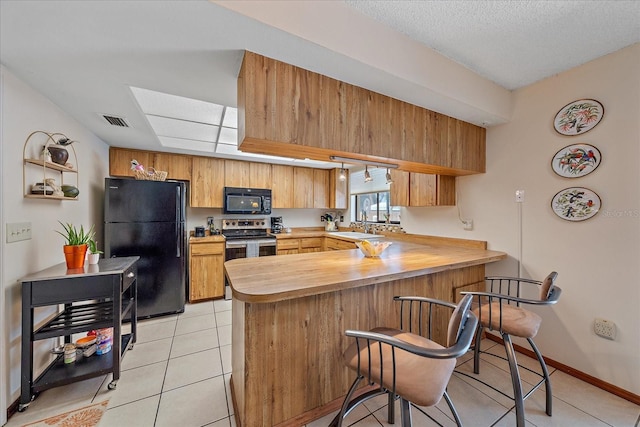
74,255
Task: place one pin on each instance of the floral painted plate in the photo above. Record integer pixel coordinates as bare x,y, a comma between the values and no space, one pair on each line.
576,204
574,161
578,117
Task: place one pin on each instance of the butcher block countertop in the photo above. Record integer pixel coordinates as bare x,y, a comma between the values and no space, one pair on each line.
284,277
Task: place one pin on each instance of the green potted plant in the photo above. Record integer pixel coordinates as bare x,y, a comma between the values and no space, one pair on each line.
76,243
94,253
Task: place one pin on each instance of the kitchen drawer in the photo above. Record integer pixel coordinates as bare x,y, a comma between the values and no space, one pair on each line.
312,242
288,243
50,292
207,248
337,244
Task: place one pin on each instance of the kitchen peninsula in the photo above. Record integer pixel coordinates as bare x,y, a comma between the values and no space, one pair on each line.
290,313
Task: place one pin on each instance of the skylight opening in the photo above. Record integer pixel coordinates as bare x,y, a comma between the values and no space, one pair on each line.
195,125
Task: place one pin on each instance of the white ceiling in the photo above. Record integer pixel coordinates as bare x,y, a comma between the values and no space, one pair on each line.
513,42
85,56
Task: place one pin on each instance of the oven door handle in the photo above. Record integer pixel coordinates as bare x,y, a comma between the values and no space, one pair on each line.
236,244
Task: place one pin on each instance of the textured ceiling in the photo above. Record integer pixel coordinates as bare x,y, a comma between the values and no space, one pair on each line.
85,55
513,43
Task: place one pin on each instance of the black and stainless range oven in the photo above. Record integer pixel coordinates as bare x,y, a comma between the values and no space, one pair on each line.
247,238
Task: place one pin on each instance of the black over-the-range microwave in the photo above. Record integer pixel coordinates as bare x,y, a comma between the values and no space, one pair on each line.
247,201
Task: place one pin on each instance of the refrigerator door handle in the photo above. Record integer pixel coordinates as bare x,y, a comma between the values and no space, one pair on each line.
178,239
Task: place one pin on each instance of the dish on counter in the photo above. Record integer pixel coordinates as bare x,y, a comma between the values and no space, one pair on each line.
372,249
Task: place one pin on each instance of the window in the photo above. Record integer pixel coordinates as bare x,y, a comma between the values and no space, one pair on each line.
375,206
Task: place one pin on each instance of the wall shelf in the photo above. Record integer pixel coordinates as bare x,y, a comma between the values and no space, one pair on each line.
35,146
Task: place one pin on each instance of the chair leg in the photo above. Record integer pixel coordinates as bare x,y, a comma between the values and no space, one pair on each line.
515,380
476,350
391,409
344,410
405,413
456,417
545,372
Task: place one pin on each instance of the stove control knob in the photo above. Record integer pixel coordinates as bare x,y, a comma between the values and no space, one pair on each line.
233,223
226,223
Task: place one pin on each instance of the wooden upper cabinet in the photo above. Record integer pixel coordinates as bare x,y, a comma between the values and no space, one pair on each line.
207,182
282,186
259,175
236,173
286,108
321,188
302,187
120,160
417,189
177,166
399,188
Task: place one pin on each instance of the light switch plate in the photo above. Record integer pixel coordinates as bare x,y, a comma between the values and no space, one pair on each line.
17,231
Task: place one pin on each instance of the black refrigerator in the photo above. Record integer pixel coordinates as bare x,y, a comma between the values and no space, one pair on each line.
147,218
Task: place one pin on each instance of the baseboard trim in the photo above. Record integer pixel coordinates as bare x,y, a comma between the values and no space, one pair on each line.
615,390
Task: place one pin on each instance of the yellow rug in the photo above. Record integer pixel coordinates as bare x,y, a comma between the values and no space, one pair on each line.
89,416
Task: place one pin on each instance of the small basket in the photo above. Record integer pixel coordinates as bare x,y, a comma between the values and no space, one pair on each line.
150,175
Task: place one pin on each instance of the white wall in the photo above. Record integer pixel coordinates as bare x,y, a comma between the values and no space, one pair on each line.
597,260
24,111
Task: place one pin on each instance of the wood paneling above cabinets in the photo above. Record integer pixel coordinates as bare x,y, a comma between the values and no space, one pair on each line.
286,110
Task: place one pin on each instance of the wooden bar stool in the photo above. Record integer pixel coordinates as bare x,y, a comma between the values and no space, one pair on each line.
405,363
500,310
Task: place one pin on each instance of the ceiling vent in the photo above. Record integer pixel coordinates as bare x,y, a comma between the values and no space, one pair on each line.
116,121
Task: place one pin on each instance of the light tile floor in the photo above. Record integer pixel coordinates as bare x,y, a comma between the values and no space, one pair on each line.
178,375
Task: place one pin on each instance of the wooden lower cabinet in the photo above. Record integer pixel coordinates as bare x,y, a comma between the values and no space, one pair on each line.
301,245
287,246
311,244
206,270
331,244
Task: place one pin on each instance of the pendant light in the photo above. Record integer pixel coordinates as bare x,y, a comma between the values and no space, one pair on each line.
343,174
389,179
367,175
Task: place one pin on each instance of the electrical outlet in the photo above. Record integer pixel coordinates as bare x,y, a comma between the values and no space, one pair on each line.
18,231
519,196
321,218
468,224
605,328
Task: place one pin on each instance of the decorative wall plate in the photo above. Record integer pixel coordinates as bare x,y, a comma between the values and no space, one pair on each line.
576,160
576,204
578,117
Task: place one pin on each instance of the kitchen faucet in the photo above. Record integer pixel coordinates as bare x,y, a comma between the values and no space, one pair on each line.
364,222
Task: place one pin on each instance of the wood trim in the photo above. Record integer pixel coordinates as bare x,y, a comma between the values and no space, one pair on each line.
608,387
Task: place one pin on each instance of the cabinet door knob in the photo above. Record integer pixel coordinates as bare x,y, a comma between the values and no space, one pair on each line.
130,275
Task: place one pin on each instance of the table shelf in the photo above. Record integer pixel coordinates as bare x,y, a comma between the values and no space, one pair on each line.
59,373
